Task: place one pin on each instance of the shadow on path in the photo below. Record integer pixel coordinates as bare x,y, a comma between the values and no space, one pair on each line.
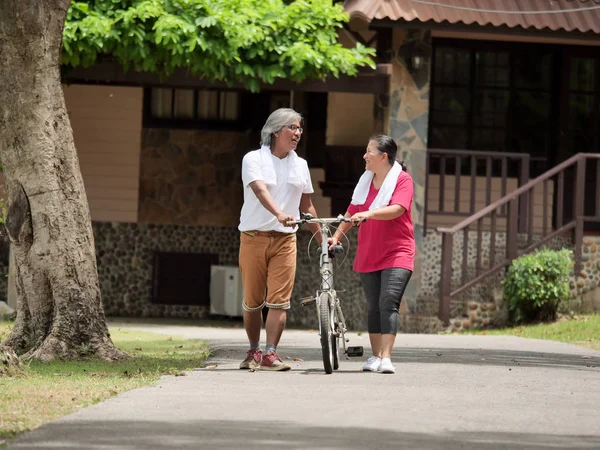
139,435
479,357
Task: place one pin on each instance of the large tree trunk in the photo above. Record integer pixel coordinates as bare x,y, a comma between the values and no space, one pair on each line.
59,312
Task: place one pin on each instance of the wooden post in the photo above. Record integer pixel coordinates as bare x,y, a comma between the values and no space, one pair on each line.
446,278
578,211
524,203
512,229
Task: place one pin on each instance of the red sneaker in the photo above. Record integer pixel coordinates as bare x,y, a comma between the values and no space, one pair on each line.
271,361
253,358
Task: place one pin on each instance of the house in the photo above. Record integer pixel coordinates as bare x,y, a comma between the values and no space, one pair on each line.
517,86
481,100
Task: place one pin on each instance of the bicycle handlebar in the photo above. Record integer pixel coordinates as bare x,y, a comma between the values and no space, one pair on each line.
336,249
327,220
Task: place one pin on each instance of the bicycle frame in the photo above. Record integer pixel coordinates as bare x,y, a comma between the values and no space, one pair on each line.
332,325
327,279
325,262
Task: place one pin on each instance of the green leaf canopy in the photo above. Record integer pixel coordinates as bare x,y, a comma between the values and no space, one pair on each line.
236,41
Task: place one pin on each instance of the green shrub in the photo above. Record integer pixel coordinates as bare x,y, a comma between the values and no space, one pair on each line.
536,283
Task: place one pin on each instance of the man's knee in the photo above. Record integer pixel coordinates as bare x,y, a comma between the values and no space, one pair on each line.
250,306
278,305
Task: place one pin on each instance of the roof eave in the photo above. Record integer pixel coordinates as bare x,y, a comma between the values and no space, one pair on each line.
491,29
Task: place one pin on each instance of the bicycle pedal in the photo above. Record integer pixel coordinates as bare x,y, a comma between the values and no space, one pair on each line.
354,351
307,301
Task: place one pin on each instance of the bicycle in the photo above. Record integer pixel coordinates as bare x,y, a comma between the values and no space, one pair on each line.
332,326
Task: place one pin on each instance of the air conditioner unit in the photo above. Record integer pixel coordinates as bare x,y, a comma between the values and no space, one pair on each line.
226,291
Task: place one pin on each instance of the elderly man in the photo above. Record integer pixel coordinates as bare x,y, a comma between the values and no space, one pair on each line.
277,186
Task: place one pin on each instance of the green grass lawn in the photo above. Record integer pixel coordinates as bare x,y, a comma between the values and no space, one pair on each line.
583,330
45,392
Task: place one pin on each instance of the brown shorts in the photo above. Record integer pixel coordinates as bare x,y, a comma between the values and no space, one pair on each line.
268,266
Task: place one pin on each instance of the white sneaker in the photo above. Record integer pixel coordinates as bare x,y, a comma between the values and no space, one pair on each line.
386,366
372,364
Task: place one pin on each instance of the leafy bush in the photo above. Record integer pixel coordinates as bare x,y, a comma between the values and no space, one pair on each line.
536,284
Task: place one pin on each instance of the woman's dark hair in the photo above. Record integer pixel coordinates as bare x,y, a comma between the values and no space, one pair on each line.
387,145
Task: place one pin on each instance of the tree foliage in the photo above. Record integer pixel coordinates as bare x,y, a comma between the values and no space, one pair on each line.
245,41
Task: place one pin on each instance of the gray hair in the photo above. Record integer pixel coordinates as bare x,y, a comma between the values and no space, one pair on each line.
278,119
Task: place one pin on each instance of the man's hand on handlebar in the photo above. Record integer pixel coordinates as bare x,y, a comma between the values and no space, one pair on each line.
284,219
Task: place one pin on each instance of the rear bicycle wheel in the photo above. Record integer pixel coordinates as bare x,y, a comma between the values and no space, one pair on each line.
326,333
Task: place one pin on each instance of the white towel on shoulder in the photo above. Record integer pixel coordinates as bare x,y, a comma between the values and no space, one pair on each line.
359,196
268,171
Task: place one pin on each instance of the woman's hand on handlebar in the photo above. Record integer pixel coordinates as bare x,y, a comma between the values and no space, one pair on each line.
332,241
359,218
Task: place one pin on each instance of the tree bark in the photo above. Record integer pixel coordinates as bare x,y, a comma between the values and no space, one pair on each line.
9,362
59,309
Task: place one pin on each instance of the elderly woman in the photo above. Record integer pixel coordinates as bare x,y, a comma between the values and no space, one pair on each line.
277,186
381,206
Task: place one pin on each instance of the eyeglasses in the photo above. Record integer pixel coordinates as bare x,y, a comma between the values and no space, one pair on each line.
294,128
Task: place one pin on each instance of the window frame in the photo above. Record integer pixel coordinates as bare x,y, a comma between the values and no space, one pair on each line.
150,121
470,128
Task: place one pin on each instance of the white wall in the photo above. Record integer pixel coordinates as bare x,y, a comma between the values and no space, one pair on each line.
349,119
107,126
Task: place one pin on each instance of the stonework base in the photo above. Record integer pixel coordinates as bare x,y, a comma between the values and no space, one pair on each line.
125,255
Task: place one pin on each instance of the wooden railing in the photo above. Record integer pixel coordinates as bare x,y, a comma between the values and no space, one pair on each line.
344,165
470,164
519,205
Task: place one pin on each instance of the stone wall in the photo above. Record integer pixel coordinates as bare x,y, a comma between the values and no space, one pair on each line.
483,305
125,266
479,315
126,251
433,257
192,177
585,288
430,282
125,254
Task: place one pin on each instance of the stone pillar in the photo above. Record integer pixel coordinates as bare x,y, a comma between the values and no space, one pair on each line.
403,114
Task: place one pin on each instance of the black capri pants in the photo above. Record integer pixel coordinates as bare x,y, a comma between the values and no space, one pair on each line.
384,290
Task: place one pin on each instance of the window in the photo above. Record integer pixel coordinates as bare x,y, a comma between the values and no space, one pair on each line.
192,108
493,97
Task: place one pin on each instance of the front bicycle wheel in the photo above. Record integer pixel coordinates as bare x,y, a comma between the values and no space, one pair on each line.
326,332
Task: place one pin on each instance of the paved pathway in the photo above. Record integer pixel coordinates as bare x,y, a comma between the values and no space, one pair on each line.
451,392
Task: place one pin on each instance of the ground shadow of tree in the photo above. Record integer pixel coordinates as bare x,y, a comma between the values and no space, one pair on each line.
156,435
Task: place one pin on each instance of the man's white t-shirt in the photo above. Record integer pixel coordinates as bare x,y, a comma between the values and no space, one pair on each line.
287,196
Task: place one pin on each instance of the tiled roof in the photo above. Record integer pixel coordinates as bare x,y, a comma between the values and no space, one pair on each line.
510,12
